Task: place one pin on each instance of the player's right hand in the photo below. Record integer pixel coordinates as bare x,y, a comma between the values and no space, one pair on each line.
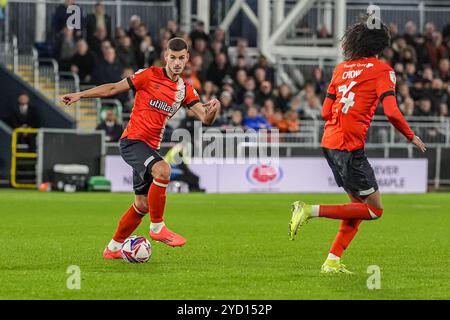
70,98
419,144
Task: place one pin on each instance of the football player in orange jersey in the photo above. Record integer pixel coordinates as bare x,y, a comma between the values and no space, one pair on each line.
160,93
358,85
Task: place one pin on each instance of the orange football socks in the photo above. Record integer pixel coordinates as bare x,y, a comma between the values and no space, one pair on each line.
128,223
157,200
361,211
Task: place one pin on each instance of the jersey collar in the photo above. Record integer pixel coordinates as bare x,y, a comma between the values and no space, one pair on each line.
165,73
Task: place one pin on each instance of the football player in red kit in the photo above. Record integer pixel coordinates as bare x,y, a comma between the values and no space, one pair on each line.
358,85
160,92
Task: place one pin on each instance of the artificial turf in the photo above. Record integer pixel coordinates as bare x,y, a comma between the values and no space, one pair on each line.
238,248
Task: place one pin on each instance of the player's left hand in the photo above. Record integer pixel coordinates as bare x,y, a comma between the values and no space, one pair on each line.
419,144
212,106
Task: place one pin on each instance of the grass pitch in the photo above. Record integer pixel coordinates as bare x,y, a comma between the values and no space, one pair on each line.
238,248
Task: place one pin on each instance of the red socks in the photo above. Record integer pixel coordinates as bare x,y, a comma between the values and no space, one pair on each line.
133,217
157,199
360,211
128,223
346,233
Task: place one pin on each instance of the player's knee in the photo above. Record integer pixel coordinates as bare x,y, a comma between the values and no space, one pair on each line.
161,170
141,205
375,211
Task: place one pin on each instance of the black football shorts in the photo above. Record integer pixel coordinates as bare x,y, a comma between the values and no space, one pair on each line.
141,158
352,171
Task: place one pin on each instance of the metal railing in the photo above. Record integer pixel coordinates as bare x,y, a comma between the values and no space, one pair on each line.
49,67
70,81
109,102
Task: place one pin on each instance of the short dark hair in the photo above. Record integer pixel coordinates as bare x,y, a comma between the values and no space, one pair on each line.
361,41
177,44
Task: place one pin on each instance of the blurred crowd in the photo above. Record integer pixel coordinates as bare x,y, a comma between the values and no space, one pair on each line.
246,86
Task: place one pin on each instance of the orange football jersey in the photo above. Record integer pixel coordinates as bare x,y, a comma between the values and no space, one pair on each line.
357,87
157,99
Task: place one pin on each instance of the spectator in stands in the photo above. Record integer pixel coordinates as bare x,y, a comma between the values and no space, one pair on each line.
436,49
250,86
219,36
268,111
25,115
218,70
410,32
444,69
228,84
96,41
208,91
98,19
388,56
126,54
429,28
147,53
312,108
227,107
254,120
218,47
421,50
393,30
200,48
120,32
236,120
113,130
199,33
190,77
172,27
424,109
407,107
142,32
318,79
241,64
104,46
264,93
241,47
107,70
198,68
437,94
291,123
277,121
83,62
417,90
60,17
402,92
283,101
260,75
66,48
301,99
264,63
239,85
135,22
410,72
249,101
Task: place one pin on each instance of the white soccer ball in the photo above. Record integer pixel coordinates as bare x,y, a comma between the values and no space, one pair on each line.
136,249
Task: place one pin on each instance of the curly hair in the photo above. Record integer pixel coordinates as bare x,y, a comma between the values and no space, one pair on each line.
361,41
